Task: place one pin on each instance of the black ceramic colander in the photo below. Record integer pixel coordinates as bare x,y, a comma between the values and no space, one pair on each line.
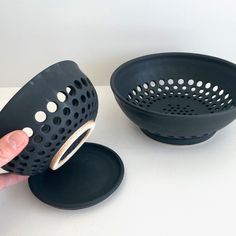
57,108
177,98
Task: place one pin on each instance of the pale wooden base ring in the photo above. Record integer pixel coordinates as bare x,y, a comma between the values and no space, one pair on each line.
58,159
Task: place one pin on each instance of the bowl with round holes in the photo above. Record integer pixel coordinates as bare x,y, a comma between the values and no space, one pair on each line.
177,98
57,109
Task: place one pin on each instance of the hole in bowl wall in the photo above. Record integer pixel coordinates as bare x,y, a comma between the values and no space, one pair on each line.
28,131
52,107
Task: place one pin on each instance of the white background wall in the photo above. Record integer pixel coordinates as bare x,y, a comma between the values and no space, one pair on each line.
100,35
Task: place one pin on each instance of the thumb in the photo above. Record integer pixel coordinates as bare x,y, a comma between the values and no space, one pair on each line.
11,145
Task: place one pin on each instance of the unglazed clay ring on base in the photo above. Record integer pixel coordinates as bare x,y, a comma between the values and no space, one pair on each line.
71,146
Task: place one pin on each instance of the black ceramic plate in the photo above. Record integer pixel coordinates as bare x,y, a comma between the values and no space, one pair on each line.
89,177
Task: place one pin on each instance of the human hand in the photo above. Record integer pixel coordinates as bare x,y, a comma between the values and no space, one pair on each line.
10,146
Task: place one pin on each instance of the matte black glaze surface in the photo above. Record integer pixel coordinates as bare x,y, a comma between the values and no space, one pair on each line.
177,98
88,178
81,105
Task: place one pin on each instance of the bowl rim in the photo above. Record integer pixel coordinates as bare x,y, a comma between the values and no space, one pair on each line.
169,54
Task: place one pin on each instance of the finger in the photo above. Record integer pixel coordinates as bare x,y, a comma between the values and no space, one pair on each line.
11,145
10,179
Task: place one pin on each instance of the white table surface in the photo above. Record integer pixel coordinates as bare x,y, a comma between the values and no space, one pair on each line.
167,190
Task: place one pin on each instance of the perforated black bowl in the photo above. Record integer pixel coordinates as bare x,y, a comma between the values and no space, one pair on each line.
57,108
177,98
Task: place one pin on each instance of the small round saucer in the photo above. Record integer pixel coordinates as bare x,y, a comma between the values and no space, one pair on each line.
89,177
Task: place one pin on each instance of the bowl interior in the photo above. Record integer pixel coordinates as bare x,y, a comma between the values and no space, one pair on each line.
179,83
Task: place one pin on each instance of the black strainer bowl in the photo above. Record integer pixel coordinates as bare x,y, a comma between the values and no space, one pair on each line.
57,108
177,98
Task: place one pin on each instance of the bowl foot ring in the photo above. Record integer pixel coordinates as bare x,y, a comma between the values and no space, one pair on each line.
178,141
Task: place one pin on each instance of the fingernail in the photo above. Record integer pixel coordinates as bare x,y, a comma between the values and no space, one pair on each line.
16,140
